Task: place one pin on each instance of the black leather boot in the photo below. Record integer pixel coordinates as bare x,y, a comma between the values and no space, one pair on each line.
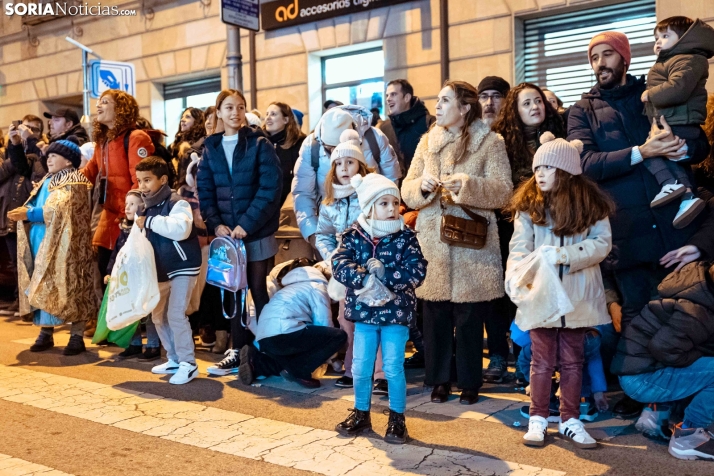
441,393
356,423
43,342
75,346
397,433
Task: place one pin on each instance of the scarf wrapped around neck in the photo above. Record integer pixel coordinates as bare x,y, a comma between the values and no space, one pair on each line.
340,191
380,228
161,194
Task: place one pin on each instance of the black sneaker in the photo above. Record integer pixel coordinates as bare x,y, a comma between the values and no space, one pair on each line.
396,428
416,361
553,416
344,382
150,353
246,370
380,387
43,342
356,423
229,365
497,369
75,345
129,352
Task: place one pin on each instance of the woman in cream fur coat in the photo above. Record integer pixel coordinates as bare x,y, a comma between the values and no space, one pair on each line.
458,162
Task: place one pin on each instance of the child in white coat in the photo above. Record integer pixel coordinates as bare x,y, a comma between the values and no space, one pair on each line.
566,216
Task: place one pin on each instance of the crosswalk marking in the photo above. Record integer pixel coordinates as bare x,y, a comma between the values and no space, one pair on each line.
261,439
10,466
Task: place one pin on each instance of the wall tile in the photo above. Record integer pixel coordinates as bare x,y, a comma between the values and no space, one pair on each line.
474,69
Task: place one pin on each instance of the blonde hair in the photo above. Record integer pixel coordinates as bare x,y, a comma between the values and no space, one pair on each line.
332,179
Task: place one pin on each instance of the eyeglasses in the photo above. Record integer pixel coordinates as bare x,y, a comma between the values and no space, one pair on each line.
494,97
105,101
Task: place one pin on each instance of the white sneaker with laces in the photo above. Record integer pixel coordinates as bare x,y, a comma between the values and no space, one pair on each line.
169,367
574,431
688,211
537,429
668,194
186,372
229,365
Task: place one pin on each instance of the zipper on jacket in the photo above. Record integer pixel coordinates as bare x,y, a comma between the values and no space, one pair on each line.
180,251
560,275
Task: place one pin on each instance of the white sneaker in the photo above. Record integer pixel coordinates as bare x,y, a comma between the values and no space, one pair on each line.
668,194
169,367
574,431
688,211
185,373
537,429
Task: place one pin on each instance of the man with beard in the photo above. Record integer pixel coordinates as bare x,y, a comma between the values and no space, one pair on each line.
491,92
617,138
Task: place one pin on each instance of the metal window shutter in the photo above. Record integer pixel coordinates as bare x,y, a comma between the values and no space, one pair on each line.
556,47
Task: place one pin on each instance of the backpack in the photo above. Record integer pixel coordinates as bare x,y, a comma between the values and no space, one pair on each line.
227,269
160,150
371,141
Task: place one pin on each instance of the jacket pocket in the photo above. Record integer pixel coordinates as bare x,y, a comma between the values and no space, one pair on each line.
180,251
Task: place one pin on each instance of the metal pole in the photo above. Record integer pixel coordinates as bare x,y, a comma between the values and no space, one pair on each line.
444,36
234,59
85,92
253,74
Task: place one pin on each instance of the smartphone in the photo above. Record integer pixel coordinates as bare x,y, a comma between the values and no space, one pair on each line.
16,123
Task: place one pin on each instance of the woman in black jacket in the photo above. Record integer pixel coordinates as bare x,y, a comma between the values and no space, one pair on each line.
239,188
285,134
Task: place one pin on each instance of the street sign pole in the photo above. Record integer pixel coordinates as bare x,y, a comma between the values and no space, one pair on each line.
234,58
237,14
85,78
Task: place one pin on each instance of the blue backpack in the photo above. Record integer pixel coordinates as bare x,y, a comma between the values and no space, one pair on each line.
227,269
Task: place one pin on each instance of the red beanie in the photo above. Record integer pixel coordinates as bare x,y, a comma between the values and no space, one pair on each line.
618,41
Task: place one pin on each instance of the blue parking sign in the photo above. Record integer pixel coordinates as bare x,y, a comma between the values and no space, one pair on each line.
104,75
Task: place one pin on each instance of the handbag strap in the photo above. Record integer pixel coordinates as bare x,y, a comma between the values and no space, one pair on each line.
235,305
474,216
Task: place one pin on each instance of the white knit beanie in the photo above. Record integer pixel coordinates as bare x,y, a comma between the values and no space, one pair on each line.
252,119
332,124
370,187
559,153
349,146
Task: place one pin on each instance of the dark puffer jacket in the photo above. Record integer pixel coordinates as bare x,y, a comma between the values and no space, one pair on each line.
405,129
610,123
672,331
15,185
405,270
287,158
676,83
76,130
250,196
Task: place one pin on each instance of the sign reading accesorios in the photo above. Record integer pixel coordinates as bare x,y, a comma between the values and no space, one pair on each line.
283,13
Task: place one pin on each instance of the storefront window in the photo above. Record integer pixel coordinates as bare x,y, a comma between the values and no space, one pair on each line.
355,78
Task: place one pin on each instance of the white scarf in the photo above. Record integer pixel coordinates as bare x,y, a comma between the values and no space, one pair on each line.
380,228
340,191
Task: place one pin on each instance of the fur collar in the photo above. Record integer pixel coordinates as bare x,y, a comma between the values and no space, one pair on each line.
439,137
70,176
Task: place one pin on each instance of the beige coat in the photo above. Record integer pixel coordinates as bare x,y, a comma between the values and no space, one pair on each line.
460,274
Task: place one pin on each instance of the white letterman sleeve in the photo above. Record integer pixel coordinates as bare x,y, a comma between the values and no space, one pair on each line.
176,226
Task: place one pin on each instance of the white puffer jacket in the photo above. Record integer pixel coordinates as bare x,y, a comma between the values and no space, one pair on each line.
302,301
581,255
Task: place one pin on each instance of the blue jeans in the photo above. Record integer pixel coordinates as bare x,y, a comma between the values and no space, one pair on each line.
152,337
393,338
671,383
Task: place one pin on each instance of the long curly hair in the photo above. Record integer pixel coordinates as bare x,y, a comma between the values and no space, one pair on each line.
195,133
465,94
126,111
292,129
708,165
512,129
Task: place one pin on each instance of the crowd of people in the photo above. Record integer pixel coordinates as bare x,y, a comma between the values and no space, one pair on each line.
419,229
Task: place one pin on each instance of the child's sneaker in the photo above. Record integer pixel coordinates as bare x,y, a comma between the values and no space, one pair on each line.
344,382
537,429
654,422
691,443
169,367
185,373
668,194
229,365
574,431
150,353
688,211
588,412
357,422
129,352
381,387
397,433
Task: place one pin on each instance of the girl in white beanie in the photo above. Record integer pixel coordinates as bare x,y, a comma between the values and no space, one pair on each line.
564,215
379,247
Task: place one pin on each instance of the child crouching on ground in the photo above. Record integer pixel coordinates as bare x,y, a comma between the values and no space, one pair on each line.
168,222
566,215
379,246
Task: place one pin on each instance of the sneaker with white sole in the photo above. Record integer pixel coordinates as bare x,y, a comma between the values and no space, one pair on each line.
574,431
691,443
588,411
229,365
185,373
668,194
688,211
537,429
169,367
654,422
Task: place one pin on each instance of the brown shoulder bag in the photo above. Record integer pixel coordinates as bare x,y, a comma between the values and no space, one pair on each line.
462,232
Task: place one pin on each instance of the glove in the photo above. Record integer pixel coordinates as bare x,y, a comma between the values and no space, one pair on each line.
375,267
550,255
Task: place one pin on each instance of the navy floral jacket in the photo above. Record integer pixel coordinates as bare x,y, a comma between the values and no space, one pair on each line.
405,270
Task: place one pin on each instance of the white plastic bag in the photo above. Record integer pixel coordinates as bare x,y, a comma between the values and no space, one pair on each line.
336,290
374,293
534,286
134,290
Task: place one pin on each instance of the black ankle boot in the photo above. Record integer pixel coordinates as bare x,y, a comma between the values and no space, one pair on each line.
43,342
356,423
396,429
75,345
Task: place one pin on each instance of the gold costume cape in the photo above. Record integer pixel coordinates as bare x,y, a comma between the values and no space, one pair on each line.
61,279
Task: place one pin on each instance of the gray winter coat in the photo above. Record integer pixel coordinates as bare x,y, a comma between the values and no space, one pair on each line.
334,219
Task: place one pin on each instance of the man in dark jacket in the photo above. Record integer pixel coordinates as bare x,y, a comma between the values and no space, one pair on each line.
667,354
408,120
65,123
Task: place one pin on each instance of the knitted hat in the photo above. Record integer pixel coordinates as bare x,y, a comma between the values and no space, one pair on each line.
332,124
495,83
618,41
67,148
349,146
252,119
559,153
370,187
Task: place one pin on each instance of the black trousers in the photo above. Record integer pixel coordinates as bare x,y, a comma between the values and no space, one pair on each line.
301,352
460,325
104,255
257,272
637,287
